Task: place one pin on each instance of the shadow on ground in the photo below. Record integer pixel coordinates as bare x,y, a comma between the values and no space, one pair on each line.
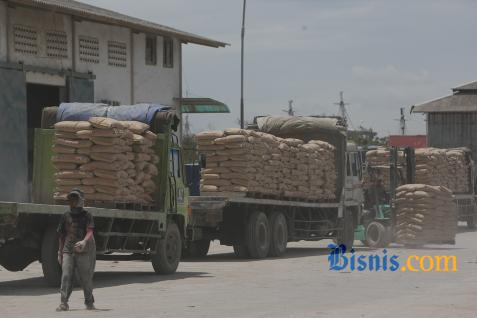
37,286
465,229
292,252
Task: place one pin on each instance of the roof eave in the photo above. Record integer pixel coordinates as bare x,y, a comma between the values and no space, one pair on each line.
183,36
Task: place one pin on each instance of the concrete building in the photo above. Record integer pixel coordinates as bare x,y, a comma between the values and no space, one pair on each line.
54,51
452,120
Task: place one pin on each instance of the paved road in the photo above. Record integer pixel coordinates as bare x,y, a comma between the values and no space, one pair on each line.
298,285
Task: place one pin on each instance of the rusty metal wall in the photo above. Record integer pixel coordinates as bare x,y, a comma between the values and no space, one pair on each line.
449,130
13,137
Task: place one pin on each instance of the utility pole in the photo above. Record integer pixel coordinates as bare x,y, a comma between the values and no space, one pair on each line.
242,120
402,122
290,111
187,126
342,110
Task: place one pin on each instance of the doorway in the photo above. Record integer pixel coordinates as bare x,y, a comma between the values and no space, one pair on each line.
38,97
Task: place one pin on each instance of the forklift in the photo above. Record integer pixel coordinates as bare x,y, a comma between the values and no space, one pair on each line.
376,227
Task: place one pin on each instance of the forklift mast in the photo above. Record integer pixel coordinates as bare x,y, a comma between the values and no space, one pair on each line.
410,156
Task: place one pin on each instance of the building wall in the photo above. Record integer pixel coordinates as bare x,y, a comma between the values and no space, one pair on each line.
112,82
155,83
450,130
42,22
3,31
151,83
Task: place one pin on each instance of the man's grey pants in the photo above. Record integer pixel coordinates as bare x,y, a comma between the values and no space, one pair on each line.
83,264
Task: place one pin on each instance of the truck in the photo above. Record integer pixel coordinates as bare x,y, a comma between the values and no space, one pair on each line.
28,229
260,227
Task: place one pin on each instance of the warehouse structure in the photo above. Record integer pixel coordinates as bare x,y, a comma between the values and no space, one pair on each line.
54,51
452,120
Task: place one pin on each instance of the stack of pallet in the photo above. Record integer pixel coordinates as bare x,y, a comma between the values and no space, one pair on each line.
105,158
425,215
260,164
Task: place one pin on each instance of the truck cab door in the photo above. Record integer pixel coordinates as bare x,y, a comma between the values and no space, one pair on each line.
353,189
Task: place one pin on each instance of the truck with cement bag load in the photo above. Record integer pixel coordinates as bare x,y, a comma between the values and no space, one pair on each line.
287,180
130,171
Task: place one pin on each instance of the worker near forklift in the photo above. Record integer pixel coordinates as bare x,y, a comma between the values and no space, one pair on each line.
77,250
376,194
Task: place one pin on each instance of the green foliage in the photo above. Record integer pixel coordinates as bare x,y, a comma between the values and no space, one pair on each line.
366,137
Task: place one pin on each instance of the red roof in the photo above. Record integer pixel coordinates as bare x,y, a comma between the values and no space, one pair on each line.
415,141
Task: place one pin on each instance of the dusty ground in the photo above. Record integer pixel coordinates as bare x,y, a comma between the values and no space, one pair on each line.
298,285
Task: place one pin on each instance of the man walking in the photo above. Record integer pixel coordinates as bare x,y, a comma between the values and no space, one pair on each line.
77,250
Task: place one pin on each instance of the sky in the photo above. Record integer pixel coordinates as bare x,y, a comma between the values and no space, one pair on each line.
383,54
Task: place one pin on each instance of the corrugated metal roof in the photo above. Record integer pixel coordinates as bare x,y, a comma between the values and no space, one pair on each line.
469,86
452,103
90,12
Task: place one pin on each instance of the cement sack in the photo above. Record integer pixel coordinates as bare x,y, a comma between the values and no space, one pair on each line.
72,126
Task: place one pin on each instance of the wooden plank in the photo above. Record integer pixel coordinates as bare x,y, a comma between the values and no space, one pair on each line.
223,194
30,208
140,235
284,203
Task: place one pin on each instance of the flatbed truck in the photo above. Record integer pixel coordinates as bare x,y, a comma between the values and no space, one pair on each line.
28,230
261,227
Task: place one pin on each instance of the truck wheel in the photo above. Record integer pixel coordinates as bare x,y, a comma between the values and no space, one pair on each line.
258,235
346,234
168,254
241,251
376,235
279,234
471,220
197,249
49,257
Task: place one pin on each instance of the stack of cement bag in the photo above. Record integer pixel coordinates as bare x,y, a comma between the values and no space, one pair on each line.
259,164
110,160
446,167
425,215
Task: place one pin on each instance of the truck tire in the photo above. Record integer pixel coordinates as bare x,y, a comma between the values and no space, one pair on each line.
167,257
346,233
49,257
241,251
278,234
377,235
197,249
258,235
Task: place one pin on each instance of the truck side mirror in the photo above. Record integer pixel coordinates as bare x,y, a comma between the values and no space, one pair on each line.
202,161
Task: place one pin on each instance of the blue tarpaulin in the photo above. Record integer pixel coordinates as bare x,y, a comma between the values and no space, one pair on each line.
83,111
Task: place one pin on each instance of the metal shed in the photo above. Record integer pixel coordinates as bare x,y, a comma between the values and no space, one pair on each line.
452,120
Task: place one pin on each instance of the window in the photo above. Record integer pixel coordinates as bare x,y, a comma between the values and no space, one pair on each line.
25,39
151,50
89,49
168,52
348,168
354,167
174,159
56,44
117,54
